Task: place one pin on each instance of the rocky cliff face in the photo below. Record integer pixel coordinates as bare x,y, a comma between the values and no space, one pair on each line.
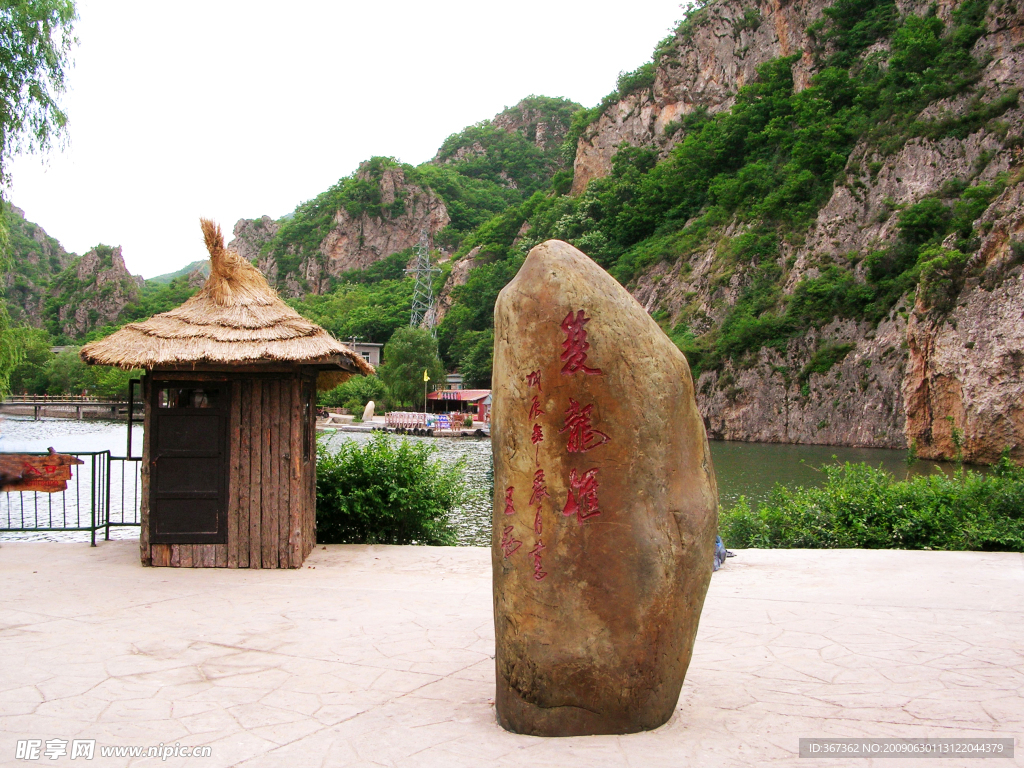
710,59
356,242
402,213
544,128
458,276
250,235
949,379
47,287
93,291
964,388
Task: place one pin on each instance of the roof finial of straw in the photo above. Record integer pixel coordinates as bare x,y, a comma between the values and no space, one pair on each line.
213,236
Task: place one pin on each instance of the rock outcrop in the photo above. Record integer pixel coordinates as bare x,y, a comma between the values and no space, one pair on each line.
539,120
709,60
250,235
408,210
964,388
458,276
605,505
94,291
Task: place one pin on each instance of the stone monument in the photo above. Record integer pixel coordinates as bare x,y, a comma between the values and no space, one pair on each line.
605,504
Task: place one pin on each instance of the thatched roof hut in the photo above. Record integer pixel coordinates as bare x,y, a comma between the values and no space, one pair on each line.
235,319
229,451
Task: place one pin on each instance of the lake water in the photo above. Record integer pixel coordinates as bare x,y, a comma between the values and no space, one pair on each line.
742,469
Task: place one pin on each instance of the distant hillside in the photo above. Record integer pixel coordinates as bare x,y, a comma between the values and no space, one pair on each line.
66,294
386,206
203,265
36,258
75,298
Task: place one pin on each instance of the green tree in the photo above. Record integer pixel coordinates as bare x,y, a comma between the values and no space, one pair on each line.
35,44
409,353
355,393
110,383
476,363
30,374
67,374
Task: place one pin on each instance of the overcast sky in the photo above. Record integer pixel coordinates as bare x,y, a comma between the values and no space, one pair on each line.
238,109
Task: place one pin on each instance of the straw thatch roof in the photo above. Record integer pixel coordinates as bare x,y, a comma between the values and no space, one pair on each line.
235,319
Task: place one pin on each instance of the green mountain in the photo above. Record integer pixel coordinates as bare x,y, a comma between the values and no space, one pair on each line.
818,202
66,294
203,265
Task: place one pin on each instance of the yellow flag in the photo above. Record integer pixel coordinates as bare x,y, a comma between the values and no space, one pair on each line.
425,377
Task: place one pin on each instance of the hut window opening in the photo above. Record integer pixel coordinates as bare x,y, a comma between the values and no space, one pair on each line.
188,397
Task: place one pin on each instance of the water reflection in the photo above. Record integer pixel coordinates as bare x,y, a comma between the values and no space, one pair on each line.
753,469
19,434
747,469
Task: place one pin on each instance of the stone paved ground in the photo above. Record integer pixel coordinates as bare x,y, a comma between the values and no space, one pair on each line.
381,656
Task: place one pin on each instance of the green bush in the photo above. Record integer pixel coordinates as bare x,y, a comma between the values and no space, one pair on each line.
863,507
355,393
386,491
824,358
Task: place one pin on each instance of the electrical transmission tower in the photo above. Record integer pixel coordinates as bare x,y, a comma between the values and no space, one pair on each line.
424,313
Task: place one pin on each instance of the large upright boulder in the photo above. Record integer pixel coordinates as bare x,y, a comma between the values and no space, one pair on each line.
605,504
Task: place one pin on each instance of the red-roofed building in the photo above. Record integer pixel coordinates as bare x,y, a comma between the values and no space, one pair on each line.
475,401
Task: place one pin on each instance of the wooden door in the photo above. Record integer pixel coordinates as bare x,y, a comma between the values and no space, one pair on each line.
189,462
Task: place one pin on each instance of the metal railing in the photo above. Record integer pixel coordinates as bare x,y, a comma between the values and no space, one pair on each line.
52,399
103,492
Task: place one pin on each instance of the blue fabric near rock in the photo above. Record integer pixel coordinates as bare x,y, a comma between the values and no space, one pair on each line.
720,553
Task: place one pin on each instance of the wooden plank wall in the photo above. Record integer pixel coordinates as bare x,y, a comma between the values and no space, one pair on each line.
309,502
309,476
271,489
296,552
144,549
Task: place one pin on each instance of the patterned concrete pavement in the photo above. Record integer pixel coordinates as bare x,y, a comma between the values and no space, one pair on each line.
382,656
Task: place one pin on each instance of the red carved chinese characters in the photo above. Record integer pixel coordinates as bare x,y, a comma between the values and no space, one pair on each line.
575,345
510,507
540,492
535,409
582,437
540,489
508,543
538,434
582,500
538,570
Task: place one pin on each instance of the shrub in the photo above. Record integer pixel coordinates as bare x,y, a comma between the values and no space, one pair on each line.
941,277
386,491
863,507
355,393
824,358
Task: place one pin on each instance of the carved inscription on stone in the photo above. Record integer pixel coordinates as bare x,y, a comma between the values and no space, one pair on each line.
605,504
